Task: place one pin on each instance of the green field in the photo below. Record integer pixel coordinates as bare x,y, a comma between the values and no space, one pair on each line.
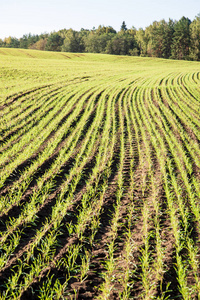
99,177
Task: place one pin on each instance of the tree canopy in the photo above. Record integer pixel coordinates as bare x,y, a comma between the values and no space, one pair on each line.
165,39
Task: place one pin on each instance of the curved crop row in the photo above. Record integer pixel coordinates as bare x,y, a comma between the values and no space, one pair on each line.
99,179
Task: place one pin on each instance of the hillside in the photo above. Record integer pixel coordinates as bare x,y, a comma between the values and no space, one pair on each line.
99,176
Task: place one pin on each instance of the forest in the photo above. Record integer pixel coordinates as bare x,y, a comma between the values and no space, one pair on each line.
163,39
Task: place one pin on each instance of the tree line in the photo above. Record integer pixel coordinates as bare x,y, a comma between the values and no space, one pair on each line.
172,39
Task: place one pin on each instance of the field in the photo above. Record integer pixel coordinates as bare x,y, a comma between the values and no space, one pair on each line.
99,177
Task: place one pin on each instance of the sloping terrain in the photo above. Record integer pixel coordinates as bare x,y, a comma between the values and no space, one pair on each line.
99,177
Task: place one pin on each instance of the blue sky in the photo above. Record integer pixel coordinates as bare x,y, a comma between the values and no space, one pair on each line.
18,17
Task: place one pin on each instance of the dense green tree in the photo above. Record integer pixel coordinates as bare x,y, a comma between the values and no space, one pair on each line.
83,33
134,49
97,40
195,38
24,42
181,39
168,32
142,40
123,26
72,42
159,38
172,39
149,37
28,40
121,44
105,30
11,42
97,43
117,46
54,42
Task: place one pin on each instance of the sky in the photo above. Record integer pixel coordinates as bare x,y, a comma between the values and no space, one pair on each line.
19,17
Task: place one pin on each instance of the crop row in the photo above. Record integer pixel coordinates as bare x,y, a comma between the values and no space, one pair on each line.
100,189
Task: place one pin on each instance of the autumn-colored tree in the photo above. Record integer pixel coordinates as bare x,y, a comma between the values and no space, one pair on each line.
11,42
39,45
